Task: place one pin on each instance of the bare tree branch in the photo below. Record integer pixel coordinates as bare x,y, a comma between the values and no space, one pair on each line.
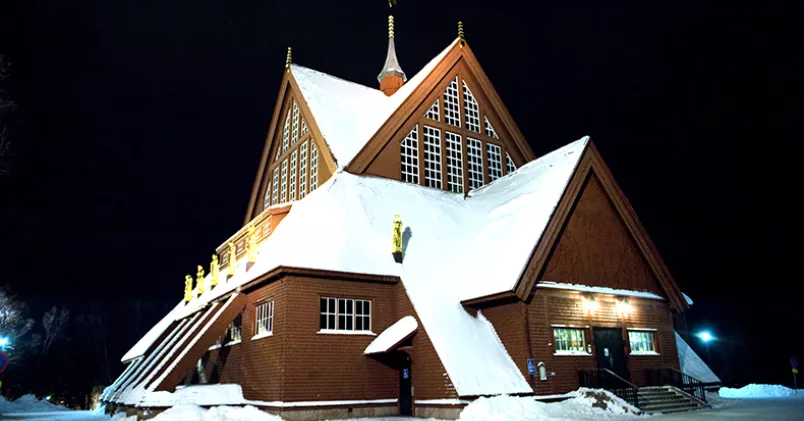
54,322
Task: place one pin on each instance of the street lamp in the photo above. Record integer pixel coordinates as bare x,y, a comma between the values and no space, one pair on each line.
3,342
706,337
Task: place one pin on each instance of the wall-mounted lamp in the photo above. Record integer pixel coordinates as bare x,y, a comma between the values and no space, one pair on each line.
589,305
623,308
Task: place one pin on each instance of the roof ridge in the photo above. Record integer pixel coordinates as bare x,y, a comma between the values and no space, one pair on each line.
332,76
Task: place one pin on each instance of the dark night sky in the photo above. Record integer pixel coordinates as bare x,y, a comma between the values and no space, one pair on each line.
139,127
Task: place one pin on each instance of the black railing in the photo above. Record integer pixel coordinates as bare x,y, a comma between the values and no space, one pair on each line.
675,378
603,378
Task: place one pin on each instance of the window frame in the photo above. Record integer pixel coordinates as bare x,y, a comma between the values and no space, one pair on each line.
567,352
348,316
264,312
651,333
230,336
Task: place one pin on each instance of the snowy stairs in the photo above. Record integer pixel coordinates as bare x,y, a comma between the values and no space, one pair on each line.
666,399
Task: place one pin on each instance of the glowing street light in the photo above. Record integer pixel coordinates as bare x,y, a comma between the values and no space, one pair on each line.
706,336
3,342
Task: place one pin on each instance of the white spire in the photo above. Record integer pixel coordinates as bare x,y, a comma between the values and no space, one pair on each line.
391,66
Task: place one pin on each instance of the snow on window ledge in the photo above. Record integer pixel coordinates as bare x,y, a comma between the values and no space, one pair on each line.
345,332
232,343
645,353
572,354
262,335
214,347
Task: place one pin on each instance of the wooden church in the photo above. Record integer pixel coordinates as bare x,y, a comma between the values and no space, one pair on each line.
404,251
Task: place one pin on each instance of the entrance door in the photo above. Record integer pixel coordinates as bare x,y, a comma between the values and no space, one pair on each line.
610,350
405,395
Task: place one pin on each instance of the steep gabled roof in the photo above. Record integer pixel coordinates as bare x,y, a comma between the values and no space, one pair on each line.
349,114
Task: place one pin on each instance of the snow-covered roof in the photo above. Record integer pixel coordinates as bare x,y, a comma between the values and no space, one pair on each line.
396,333
692,365
688,299
349,114
148,339
599,290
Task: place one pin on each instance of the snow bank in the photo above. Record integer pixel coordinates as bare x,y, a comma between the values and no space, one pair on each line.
753,391
218,413
208,395
585,405
28,403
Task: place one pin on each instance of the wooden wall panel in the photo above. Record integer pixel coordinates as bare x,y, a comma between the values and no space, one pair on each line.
595,248
510,322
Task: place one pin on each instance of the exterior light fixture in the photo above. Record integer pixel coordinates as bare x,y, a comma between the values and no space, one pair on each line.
589,305
623,308
705,336
4,342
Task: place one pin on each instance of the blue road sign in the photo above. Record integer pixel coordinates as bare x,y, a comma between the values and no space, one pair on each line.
794,362
531,366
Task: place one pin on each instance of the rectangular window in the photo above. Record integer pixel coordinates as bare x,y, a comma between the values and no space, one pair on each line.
432,157
432,113
284,188
509,164
275,187
304,127
494,157
452,111
295,124
267,200
328,313
471,110
363,315
569,340
642,342
409,156
293,176
286,134
345,314
454,162
235,329
265,318
313,166
303,170
489,129
474,163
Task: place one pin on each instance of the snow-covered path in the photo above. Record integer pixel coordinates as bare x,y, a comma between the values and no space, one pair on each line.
782,409
56,416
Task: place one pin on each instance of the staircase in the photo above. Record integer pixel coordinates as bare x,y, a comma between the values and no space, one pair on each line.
664,399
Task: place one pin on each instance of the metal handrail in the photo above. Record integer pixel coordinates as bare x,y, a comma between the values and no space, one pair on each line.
602,378
673,377
619,377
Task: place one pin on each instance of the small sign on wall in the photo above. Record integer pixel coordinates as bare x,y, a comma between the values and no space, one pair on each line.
531,367
405,373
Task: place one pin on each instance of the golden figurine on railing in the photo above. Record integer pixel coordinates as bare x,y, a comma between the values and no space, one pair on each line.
213,271
199,280
251,244
232,259
188,288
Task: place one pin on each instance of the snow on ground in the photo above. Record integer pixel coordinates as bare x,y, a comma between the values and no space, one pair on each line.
754,391
28,403
586,405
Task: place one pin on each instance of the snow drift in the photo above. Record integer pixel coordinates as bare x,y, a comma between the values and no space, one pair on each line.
28,403
584,405
755,391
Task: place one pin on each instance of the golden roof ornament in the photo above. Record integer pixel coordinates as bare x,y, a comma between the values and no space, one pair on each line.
461,34
396,247
232,259
188,288
251,244
288,59
213,271
199,280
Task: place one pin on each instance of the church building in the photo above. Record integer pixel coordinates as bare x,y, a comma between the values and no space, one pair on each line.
404,251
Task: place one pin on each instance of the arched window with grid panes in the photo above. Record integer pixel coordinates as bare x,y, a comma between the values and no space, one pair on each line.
453,145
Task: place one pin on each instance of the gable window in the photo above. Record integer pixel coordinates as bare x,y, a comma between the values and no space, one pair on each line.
509,164
490,129
286,134
295,124
303,170
267,200
304,127
452,112
409,156
494,157
432,157
313,166
471,110
265,318
642,342
275,187
344,315
454,162
569,341
474,162
432,113
284,188
293,176
235,330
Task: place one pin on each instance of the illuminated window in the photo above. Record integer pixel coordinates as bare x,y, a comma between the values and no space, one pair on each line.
304,127
275,187
474,162
489,129
471,110
295,124
432,157
509,164
452,111
313,166
235,333
569,341
494,158
267,200
345,314
293,176
303,170
642,341
284,189
409,156
286,134
265,318
432,113
454,162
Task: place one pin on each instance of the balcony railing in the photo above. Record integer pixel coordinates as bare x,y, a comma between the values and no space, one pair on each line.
675,378
603,378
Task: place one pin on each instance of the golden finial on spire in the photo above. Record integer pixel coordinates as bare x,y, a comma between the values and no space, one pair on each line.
390,26
391,3
460,33
232,259
188,288
199,280
288,59
213,271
